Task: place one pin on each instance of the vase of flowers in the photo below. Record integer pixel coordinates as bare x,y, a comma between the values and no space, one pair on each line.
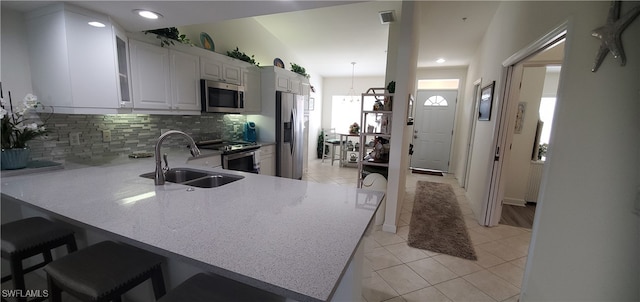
354,128
18,128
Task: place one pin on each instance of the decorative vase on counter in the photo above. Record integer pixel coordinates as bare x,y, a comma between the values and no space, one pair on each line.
15,158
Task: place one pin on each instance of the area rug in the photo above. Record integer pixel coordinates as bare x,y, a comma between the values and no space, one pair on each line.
437,223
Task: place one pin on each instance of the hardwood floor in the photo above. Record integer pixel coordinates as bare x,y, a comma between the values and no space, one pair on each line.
518,216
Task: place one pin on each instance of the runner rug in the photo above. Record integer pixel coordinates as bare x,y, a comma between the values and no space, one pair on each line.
437,223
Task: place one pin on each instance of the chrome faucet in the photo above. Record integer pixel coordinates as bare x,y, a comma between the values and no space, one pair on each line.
159,178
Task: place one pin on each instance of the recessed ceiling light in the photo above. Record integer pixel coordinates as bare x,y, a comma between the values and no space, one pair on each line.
440,61
96,24
147,14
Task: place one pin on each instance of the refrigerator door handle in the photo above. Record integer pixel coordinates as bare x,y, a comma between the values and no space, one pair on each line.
293,131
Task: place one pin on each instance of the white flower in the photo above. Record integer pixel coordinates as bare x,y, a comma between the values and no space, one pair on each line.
30,101
4,103
3,112
32,126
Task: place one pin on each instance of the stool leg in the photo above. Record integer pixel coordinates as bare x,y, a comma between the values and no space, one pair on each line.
323,151
55,293
17,273
71,245
158,282
47,256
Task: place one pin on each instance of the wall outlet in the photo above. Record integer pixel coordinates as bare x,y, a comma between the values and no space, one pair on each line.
106,136
74,138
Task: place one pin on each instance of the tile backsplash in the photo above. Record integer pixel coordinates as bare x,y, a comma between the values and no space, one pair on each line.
129,133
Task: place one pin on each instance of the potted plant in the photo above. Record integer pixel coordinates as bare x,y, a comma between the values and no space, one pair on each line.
299,70
237,54
17,129
320,144
168,35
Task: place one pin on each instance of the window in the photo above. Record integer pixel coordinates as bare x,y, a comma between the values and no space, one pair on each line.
344,112
436,100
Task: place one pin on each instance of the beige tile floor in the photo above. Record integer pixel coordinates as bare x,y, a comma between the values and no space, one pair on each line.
395,272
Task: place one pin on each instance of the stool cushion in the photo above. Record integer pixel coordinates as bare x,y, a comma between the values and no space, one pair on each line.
101,268
28,233
207,288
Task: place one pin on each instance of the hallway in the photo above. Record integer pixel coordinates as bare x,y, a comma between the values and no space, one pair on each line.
395,272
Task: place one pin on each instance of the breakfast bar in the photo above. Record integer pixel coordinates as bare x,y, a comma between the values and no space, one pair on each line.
294,238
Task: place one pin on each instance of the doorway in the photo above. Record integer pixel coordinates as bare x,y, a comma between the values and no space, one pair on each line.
433,131
513,150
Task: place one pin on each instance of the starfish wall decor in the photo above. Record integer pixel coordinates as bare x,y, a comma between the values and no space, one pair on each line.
610,34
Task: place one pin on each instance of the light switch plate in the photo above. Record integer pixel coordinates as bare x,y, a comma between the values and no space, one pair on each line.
106,136
74,138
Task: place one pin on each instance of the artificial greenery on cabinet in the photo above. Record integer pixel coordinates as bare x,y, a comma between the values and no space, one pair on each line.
299,70
168,35
237,54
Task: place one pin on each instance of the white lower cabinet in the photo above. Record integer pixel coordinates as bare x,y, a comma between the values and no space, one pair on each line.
268,160
164,79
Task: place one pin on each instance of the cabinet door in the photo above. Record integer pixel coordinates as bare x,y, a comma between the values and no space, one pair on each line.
252,100
282,83
91,49
218,70
231,74
122,55
150,76
185,82
305,89
268,160
211,69
294,85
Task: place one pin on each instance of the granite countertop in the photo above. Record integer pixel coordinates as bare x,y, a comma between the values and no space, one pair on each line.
293,238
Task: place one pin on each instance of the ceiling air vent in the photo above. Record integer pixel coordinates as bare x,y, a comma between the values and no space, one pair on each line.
387,17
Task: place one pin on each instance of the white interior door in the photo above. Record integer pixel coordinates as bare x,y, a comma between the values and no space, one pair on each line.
435,112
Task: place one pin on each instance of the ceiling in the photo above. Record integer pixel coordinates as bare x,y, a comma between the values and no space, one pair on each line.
330,34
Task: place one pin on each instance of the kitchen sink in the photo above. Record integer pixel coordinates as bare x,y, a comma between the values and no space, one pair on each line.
196,178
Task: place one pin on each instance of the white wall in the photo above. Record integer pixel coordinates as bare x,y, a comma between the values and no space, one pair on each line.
585,241
16,75
519,162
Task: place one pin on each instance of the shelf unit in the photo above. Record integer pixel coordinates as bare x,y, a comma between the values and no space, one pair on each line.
375,126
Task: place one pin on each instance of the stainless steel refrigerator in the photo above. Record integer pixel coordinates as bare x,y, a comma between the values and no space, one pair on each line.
289,134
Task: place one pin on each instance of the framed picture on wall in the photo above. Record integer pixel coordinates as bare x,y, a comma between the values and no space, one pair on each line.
486,99
312,104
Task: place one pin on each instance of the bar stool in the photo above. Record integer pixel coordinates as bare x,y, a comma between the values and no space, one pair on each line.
104,272
28,237
206,288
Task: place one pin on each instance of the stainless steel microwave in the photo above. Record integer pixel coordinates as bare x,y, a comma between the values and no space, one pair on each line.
221,97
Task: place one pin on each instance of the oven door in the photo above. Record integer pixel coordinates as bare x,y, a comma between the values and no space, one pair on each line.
241,161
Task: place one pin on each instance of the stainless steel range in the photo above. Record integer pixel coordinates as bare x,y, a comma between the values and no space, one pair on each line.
236,155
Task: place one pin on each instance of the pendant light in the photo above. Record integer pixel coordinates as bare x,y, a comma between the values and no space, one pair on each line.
352,93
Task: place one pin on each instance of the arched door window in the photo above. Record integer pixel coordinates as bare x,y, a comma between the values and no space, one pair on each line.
436,100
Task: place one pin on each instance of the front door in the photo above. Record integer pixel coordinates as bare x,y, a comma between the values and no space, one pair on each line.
435,112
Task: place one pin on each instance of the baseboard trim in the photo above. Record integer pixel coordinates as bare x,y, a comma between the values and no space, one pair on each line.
390,228
515,202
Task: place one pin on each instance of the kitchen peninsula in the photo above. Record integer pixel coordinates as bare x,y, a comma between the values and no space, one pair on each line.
294,238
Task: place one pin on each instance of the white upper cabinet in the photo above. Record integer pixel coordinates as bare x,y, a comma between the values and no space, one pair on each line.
150,76
185,80
289,81
164,79
252,93
74,66
219,68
